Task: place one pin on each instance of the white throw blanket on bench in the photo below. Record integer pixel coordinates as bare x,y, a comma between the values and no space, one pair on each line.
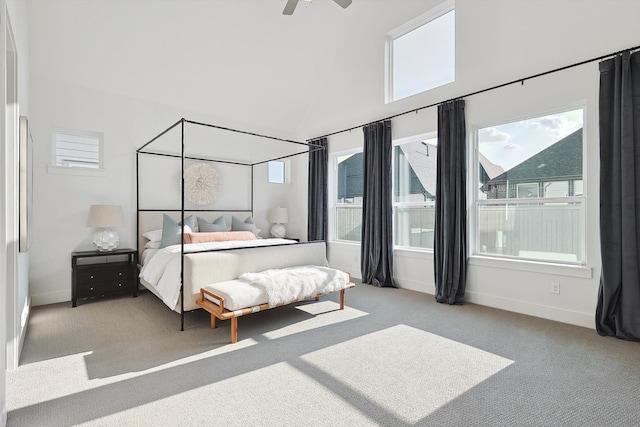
284,285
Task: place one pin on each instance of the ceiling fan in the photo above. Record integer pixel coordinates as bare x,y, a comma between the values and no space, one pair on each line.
291,5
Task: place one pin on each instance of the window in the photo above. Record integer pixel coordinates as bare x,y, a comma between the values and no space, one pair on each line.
348,203
276,172
421,54
529,202
414,188
414,179
77,149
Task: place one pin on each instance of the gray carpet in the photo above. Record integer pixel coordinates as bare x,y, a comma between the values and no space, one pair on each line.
392,358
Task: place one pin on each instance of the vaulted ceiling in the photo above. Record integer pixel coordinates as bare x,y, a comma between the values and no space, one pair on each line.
236,61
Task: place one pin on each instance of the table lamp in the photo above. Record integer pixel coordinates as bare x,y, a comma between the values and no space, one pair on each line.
104,217
278,216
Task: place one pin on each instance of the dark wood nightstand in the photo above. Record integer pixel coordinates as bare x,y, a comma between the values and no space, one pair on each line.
100,274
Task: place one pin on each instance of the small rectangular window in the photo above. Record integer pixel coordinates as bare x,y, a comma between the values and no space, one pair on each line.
77,149
421,54
276,172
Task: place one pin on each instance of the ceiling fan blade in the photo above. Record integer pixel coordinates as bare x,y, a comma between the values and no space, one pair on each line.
290,7
343,3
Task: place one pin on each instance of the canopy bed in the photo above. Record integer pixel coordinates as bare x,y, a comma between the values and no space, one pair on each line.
195,227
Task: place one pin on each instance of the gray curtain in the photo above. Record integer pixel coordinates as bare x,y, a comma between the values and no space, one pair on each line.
317,195
376,246
618,309
450,240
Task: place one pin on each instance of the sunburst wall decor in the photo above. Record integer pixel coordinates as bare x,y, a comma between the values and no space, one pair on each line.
201,183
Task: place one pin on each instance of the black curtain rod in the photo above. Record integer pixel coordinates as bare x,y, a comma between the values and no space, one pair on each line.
248,133
521,81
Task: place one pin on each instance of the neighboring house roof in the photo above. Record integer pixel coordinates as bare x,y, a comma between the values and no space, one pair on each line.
422,179
562,160
423,161
488,169
350,177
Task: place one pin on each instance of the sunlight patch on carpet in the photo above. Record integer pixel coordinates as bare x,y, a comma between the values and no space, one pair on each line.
323,313
407,371
256,398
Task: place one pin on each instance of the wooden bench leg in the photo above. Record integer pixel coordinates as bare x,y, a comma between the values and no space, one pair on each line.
342,299
213,321
234,330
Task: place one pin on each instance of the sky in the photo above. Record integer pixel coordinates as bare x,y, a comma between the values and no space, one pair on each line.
510,144
419,64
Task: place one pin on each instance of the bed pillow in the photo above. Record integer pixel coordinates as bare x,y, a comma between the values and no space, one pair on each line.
247,225
172,230
152,245
153,235
217,225
219,236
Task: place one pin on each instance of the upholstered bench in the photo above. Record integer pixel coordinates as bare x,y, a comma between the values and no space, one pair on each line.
254,292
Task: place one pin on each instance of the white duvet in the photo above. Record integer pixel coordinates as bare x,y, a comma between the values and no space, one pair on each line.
162,269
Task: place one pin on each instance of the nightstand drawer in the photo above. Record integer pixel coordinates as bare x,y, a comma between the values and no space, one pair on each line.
104,288
100,274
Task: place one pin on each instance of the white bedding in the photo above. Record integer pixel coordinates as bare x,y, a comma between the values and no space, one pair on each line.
162,268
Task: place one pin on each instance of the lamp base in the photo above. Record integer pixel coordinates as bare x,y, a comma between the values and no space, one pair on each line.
278,230
106,240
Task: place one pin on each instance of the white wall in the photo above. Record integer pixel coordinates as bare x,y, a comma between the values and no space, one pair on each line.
500,41
291,195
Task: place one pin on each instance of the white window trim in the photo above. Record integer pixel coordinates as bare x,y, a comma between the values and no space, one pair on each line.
573,269
52,168
433,13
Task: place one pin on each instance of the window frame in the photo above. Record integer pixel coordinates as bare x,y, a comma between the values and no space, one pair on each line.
333,195
54,168
475,201
395,204
424,19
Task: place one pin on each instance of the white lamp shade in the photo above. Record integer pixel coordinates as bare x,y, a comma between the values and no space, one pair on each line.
105,216
278,215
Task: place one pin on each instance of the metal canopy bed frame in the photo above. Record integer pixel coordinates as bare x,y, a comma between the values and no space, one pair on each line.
189,140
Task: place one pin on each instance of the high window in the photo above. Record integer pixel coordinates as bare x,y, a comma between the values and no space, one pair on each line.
529,199
421,53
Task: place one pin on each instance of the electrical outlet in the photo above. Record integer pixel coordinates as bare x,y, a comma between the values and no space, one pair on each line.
555,287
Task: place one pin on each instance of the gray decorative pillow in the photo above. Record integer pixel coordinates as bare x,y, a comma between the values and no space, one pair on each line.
246,225
172,230
205,226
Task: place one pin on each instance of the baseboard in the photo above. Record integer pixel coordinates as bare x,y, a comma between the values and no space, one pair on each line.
50,298
507,304
24,322
415,285
537,310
